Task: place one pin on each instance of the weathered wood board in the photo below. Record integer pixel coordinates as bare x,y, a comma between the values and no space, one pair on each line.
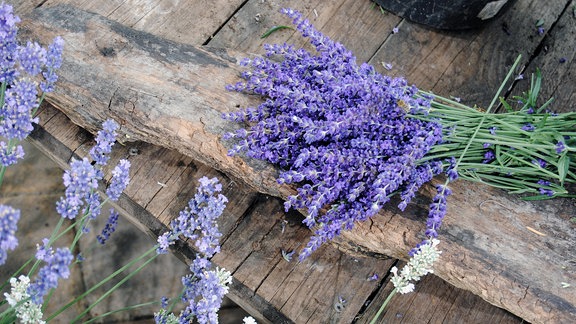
151,80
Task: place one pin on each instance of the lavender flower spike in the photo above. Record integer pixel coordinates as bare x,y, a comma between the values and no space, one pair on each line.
57,266
8,43
104,141
8,225
120,180
32,58
109,228
203,288
53,62
26,311
10,155
419,265
16,114
80,180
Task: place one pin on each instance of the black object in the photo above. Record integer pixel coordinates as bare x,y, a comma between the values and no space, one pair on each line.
446,14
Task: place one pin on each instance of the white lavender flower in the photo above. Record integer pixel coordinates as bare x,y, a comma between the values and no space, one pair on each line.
419,265
249,320
26,312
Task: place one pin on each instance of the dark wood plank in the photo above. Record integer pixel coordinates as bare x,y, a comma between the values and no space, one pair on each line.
556,59
468,64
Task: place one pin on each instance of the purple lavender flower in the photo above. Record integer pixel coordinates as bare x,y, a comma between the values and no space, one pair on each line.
109,228
16,114
8,43
8,225
79,181
436,214
528,127
164,302
541,163
540,30
488,156
32,58
164,242
562,60
204,294
203,288
53,62
198,220
545,188
57,266
104,141
119,181
10,155
560,147
493,130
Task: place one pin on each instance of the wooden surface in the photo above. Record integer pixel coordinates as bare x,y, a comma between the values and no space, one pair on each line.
159,91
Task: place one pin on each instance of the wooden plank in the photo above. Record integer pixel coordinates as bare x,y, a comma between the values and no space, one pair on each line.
304,292
185,21
468,64
556,59
362,18
20,6
435,301
190,123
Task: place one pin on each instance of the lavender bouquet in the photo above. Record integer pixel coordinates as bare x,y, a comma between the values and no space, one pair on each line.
350,138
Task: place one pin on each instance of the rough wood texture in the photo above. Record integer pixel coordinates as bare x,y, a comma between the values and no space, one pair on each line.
160,92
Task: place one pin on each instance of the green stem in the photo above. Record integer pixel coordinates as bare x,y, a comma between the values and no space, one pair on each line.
110,291
383,306
127,308
110,277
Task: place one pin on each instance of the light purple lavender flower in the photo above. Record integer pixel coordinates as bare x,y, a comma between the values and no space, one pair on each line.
198,220
109,228
203,288
8,225
79,181
204,294
10,155
104,141
57,266
120,180
16,114
32,58
53,62
8,43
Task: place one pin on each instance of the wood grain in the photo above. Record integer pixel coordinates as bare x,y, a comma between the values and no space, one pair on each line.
177,20
159,90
